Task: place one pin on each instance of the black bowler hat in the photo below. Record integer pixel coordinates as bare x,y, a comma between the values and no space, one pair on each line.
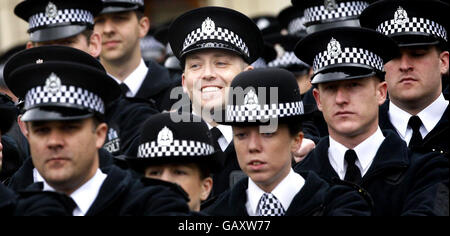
164,141
57,19
346,53
325,14
59,83
288,60
259,96
409,22
216,28
267,24
292,19
112,6
8,113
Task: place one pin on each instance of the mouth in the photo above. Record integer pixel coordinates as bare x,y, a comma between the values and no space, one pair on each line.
111,43
256,165
408,80
343,113
57,160
211,89
211,92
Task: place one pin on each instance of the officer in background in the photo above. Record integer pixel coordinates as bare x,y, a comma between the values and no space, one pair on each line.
266,113
349,79
214,44
65,103
10,160
417,110
178,152
122,24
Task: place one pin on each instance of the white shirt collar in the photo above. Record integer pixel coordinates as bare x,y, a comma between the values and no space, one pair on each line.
135,79
227,135
285,192
365,151
430,117
84,196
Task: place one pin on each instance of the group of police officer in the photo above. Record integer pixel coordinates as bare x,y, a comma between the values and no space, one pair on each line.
338,109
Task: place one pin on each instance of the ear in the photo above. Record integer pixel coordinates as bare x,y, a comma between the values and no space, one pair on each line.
183,83
100,132
249,68
381,92
207,184
444,58
95,44
316,95
144,26
297,142
29,45
22,126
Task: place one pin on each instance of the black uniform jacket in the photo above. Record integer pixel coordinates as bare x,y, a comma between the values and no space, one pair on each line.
317,197
157,86
124,118
123,195
7,201
24,176
399,181
435,141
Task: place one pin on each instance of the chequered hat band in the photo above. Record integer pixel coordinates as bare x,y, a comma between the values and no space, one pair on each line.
236,113
63,16
343,10
70,95
220,34
288,59
348,56
176,148
414,24
297,25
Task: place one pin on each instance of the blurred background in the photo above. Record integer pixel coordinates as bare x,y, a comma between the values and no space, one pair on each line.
13,29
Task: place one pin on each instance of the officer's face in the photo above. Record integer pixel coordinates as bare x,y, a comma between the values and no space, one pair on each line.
121,33
66,152
188,177
350,107
414,78
208,75
265,157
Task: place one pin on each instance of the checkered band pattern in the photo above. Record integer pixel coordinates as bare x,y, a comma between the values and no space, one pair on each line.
348,55
288,59
296,25
218,34
343,10
414,24
176,148
236,113
269,205
63,16
66,95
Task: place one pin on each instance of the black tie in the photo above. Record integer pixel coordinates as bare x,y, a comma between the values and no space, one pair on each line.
416,140
353,173
124,88
216,134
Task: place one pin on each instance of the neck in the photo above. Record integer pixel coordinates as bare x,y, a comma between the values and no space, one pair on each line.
416,106
269,185
69,188
352,140
121,68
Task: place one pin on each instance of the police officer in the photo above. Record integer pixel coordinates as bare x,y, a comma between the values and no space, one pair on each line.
214,44
10,160
178,152
417,110
266,113
65,103
121,53
349,79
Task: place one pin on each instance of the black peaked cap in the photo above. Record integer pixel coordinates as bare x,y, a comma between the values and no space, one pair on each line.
113,6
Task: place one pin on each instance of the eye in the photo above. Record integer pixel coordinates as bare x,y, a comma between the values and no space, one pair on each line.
179,172
268,135
153,173
240,136
41,130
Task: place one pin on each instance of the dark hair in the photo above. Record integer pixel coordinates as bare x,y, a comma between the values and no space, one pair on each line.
294,128
205,170
88,33
139,14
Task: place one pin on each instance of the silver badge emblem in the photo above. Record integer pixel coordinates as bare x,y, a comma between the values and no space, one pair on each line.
401,16
39,61
208,26
53,84
165,137
251,101
330,5
334,48
263,23
51,11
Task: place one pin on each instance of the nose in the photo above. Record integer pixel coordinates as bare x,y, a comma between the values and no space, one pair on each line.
55,141
254,144
405,63
166,176
108,27
341,96
209,73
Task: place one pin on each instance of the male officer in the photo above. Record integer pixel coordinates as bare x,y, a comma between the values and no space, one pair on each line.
65,103
214,44
179,152
417,110
122,24
348,72
266,113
